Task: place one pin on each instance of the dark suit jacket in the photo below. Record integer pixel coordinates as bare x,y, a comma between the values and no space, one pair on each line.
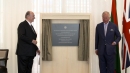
112,35
25,46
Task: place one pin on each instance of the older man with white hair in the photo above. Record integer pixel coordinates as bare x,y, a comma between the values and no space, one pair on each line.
26,46
107,37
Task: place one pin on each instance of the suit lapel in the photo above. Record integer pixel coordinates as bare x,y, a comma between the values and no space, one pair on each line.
102,29
30,28
108,28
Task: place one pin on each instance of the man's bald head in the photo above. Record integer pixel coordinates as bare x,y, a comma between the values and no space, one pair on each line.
30,16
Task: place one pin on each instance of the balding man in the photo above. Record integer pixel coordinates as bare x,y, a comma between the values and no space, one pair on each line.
26,46
107,37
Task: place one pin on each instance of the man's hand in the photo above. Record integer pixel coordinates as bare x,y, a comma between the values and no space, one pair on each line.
34,42
38,52
114,43
96,51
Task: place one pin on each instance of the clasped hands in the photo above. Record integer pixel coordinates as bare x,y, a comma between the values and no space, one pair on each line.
35,42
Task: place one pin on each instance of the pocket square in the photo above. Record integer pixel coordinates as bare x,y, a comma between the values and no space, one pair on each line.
111,30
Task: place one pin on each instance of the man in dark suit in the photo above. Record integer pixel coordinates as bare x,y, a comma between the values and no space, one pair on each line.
26,46
106,38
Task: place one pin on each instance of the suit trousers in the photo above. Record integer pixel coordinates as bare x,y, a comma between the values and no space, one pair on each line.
106,62
25,64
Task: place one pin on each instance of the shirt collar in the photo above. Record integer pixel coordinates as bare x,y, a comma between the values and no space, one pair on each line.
29,22
106,24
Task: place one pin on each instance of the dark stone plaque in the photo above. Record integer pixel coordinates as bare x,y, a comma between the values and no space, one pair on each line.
65,34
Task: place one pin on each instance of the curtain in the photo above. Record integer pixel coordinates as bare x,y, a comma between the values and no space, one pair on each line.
46,40
83,50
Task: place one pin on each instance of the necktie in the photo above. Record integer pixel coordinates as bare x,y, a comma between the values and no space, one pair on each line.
105,29
32,28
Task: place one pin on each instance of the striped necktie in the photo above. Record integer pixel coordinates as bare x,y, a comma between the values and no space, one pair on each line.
32,28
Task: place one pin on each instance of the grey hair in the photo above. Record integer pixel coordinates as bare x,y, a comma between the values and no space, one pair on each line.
106,12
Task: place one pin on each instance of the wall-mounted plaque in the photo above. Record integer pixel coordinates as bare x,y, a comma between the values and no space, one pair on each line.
65,34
